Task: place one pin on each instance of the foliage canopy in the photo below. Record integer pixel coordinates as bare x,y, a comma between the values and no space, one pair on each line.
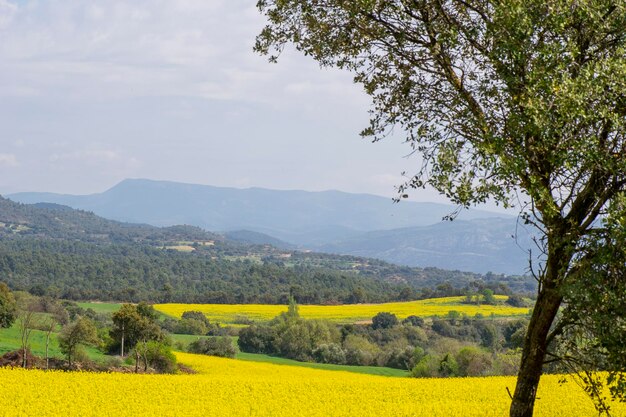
518,101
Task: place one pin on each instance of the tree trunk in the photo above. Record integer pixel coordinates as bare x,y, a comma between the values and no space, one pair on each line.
122,340
47,346
534,352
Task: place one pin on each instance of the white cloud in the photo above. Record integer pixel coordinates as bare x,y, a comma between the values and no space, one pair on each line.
7,12
8,160
141,48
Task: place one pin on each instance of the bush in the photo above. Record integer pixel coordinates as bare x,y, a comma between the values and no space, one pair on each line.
191,326
413,321
257,339
330,353
384,321
488,334
474,362
488,297
453,316
399,357
514,333
427,367
196,315
507,363
516,301
443,328
448,366
359,351
158,356
214,346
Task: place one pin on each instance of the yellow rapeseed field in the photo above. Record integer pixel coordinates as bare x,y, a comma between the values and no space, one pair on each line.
347,313
227,387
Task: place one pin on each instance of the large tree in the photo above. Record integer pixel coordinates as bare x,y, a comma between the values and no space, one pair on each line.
519,101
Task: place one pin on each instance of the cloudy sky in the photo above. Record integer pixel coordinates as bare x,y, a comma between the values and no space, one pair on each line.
92,92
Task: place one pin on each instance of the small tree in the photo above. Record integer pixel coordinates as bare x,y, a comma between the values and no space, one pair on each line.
75,335
293,311
48,325
157,355
132,324
384,320
488,297
26,324
8,306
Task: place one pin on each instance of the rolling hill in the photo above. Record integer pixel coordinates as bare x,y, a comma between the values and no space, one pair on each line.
408,233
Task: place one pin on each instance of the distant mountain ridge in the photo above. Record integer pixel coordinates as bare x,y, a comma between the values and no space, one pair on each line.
293,216
479,245
407,233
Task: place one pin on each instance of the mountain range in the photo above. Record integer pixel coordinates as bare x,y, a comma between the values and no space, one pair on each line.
406,233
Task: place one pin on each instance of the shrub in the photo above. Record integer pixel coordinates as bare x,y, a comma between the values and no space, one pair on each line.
516,300
472,361
196,315
359,351
399,357
330,353
427,367
443,328
415,336
191,326
448,366
413,321
384,320
257,339
214,346
159,356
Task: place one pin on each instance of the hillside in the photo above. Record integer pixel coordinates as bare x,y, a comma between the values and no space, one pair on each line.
78,255
407,233
57,221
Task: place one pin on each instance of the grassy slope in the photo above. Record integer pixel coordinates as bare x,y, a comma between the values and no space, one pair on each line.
370,370
101,307
10,341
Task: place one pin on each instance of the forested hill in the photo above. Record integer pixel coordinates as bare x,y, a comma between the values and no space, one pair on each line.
56,250
61,222
410,233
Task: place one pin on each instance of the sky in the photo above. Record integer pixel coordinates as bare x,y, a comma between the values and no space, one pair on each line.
93,92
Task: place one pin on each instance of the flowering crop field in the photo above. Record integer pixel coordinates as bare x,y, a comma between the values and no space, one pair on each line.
347,313
227,387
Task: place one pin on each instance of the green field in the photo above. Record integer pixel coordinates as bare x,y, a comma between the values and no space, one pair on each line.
370,370
99,307
10,341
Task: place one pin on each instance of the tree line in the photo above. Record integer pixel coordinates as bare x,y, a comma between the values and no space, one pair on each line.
133,272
